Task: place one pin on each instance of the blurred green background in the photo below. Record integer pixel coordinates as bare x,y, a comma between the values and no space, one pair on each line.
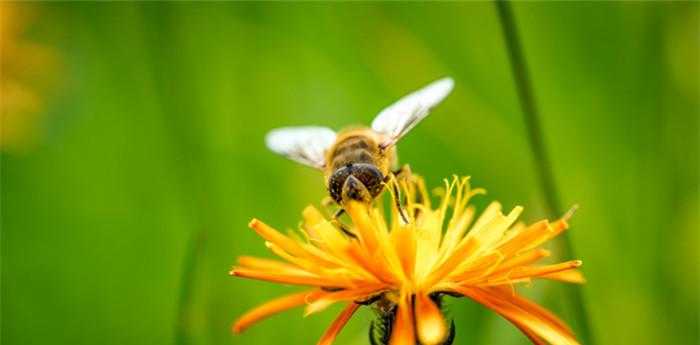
136,145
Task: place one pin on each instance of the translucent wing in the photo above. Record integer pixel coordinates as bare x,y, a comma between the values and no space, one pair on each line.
399,118
306,145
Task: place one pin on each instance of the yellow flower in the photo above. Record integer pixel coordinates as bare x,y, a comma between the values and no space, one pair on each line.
404,269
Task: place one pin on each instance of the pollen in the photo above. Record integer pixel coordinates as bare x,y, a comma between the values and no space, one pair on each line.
404,268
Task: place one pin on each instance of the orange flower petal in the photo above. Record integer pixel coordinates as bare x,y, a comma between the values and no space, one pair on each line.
363,224
569,276
532,271
532,308
306,265
404,240
478,269
289,277
312,217
376,265
272,307
402,332
430,323
526,239
268,233
455,230
534,320
464,250
326,299
264,264
502,273
523,259
338,324
532,237
534,338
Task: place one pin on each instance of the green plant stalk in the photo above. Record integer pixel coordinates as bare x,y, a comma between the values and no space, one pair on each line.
194,248
543,166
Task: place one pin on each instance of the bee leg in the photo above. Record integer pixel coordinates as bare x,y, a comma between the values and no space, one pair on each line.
403,173
336,221
397,200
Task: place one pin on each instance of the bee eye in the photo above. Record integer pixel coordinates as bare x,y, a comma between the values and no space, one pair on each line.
336,181
370,176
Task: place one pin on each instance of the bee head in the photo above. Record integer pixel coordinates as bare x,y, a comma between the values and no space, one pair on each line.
357,181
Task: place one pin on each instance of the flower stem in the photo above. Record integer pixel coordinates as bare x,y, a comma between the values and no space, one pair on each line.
194,246
543,166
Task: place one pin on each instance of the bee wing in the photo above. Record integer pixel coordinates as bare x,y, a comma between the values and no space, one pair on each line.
399,118
306,145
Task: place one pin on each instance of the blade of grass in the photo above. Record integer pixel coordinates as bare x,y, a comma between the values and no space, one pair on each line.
188,159
543,166
189,266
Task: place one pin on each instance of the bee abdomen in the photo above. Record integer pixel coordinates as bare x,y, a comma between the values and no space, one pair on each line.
353,150
352,157
351,144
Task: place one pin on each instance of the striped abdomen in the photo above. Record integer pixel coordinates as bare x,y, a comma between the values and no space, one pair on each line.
355,149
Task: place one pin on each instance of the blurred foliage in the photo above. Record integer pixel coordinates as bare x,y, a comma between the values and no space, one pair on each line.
28,72
151,148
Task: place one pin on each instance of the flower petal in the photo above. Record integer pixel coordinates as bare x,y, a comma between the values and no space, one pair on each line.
536,271
402,332
569,276
375,263
477,270
272,307
268,233
312,217
430,323
455,231
530,306
493,232
404,241
264,264
325,299
290,277
531,237
338,324
523,259
524,314
364,227
466,248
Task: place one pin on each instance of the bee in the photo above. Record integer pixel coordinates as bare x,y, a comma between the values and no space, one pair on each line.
357,162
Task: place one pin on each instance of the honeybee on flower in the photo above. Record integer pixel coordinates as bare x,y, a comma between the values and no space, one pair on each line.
403,269
357,162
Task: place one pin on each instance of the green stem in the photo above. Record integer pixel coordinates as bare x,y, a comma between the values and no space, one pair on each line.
187,157
543,166
189,265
